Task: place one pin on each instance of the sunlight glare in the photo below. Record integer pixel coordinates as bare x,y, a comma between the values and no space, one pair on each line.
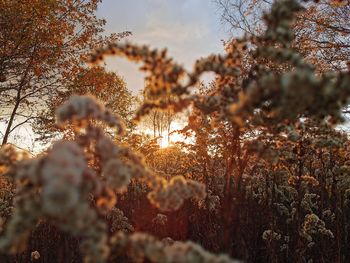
174,137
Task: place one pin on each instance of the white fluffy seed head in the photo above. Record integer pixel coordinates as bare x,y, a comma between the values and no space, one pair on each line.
80,109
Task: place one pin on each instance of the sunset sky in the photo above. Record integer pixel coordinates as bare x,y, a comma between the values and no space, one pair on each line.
189,28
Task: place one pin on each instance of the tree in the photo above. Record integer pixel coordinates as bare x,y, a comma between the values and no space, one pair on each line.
321,30
43,44
159,121
108,87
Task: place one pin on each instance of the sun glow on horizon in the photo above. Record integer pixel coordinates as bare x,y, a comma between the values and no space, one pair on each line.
164,139
174,137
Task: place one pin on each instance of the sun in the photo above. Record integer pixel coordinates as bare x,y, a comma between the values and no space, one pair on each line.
166,139
164,142
174,137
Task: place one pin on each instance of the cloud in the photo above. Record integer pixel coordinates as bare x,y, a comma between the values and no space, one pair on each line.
188,28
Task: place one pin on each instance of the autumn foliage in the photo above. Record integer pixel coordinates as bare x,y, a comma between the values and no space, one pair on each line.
263,178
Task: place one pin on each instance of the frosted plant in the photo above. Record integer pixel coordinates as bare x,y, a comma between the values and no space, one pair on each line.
75,183
313,227
309,180
270,235
285,245
160,220
118,221
82,108
328,215
304,179
62,173
170,196
9,156
168,241
117,174
256,188
343,181
282,210
310,203
211,202
35,255
7,193
140,246
52,187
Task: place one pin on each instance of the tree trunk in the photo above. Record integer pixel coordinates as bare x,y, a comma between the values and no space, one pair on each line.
12,117
18,100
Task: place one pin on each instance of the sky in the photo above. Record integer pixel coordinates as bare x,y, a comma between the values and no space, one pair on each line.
190,29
